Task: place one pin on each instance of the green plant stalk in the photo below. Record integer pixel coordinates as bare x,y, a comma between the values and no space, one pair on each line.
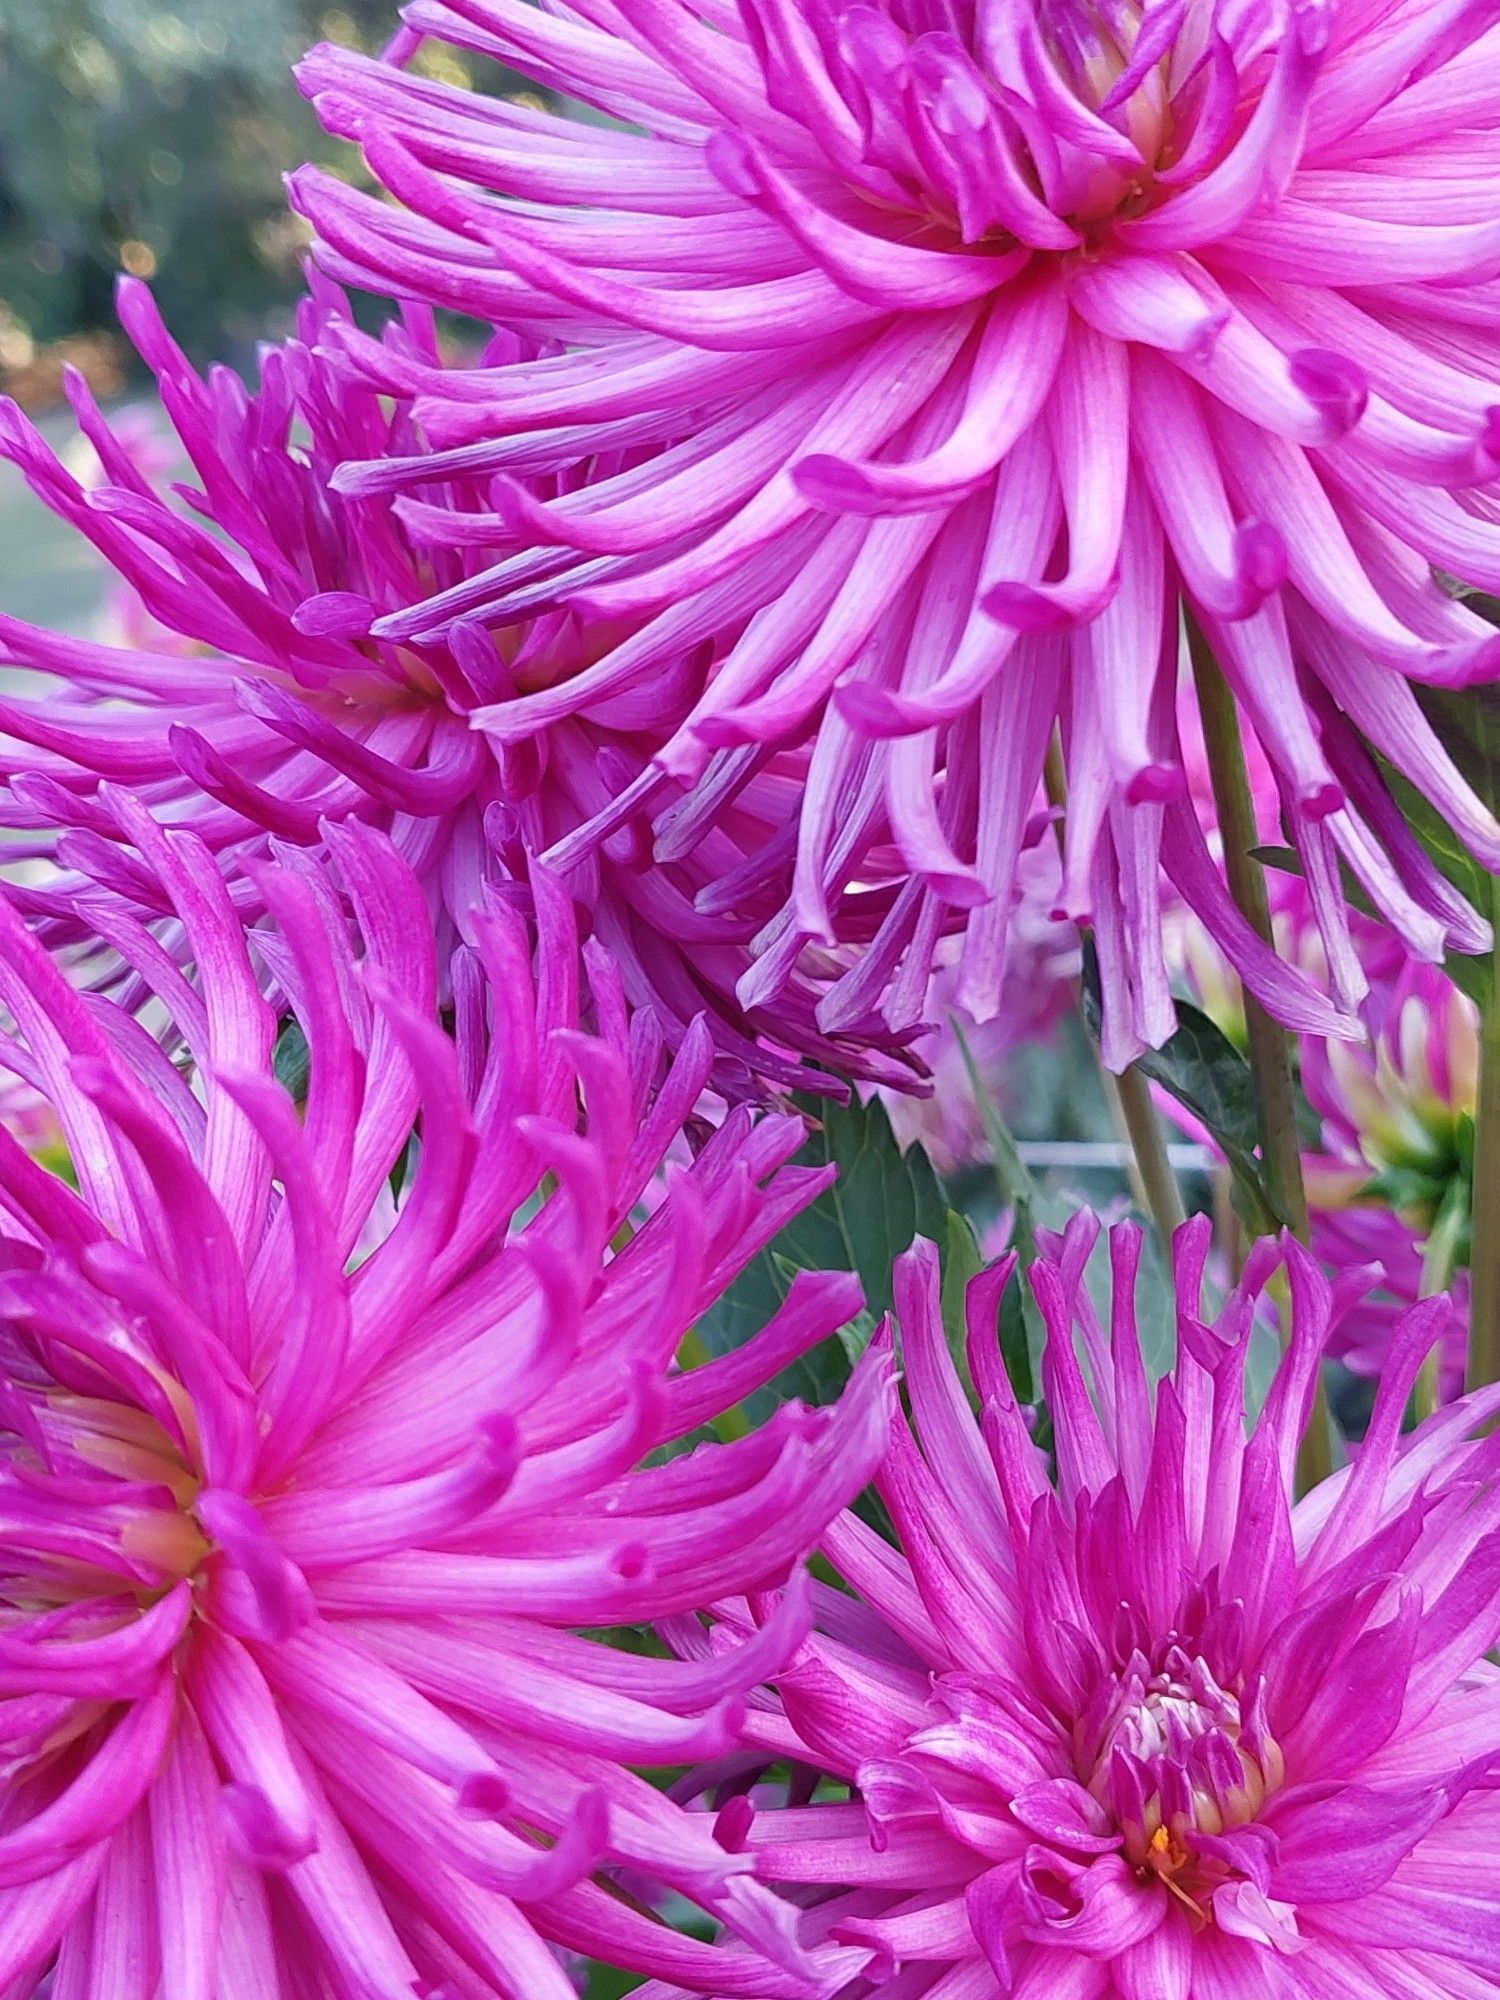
1439,1262
1269,1050
1131,1105
1268,1046
1484,1308
1149,1144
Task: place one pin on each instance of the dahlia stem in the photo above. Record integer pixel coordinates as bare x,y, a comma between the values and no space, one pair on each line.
1440,1257
1269,1047
1131,1105
1142,1122
1270,1050
1484,1256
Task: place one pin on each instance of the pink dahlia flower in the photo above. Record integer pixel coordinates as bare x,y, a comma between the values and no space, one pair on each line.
250,700
292,1538
1394,1257
978,337
1391,1181
1153,1729
1398,1111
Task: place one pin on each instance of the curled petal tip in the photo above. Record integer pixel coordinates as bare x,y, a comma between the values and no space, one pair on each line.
335,614
732,161
834,485
259,1833
1334,384
484,1795
1260,556
1156,784
872,711
733,1823
1321,799
1040,607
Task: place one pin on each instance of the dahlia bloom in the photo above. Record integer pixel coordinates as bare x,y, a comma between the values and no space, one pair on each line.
294,1525
1391,1181
979,338
1398,1111
1157,1730
247,700
1398,1259
1388,1178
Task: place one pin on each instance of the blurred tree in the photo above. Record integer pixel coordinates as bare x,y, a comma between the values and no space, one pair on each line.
153,134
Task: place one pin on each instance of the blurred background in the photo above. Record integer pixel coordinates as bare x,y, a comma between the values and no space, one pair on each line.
153,138
149,136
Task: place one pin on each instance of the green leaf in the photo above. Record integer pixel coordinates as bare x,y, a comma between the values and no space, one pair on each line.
1017,1189
881,1199
292,1060
961,1262
1023,1337
405,1166
1208,1076
1021,1355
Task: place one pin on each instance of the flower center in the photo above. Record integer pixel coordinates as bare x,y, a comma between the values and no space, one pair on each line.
105,1509
1177,1760
1040,131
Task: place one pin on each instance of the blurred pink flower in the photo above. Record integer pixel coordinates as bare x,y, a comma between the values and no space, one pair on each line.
1041,973
26,1114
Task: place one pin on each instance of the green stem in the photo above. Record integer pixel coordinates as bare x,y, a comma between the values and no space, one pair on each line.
1439,1262
1269,1047
1484,1308
1149,1143
1131,1105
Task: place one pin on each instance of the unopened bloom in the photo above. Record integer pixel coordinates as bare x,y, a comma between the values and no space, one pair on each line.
979,338
1151,1728
249,700
295,1527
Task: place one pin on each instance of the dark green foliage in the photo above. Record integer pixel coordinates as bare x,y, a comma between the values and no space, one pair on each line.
880,1201
1208,1076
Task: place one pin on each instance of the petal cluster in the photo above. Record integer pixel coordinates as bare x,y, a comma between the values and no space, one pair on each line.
320,1426
977,339
246,692
1136,1725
